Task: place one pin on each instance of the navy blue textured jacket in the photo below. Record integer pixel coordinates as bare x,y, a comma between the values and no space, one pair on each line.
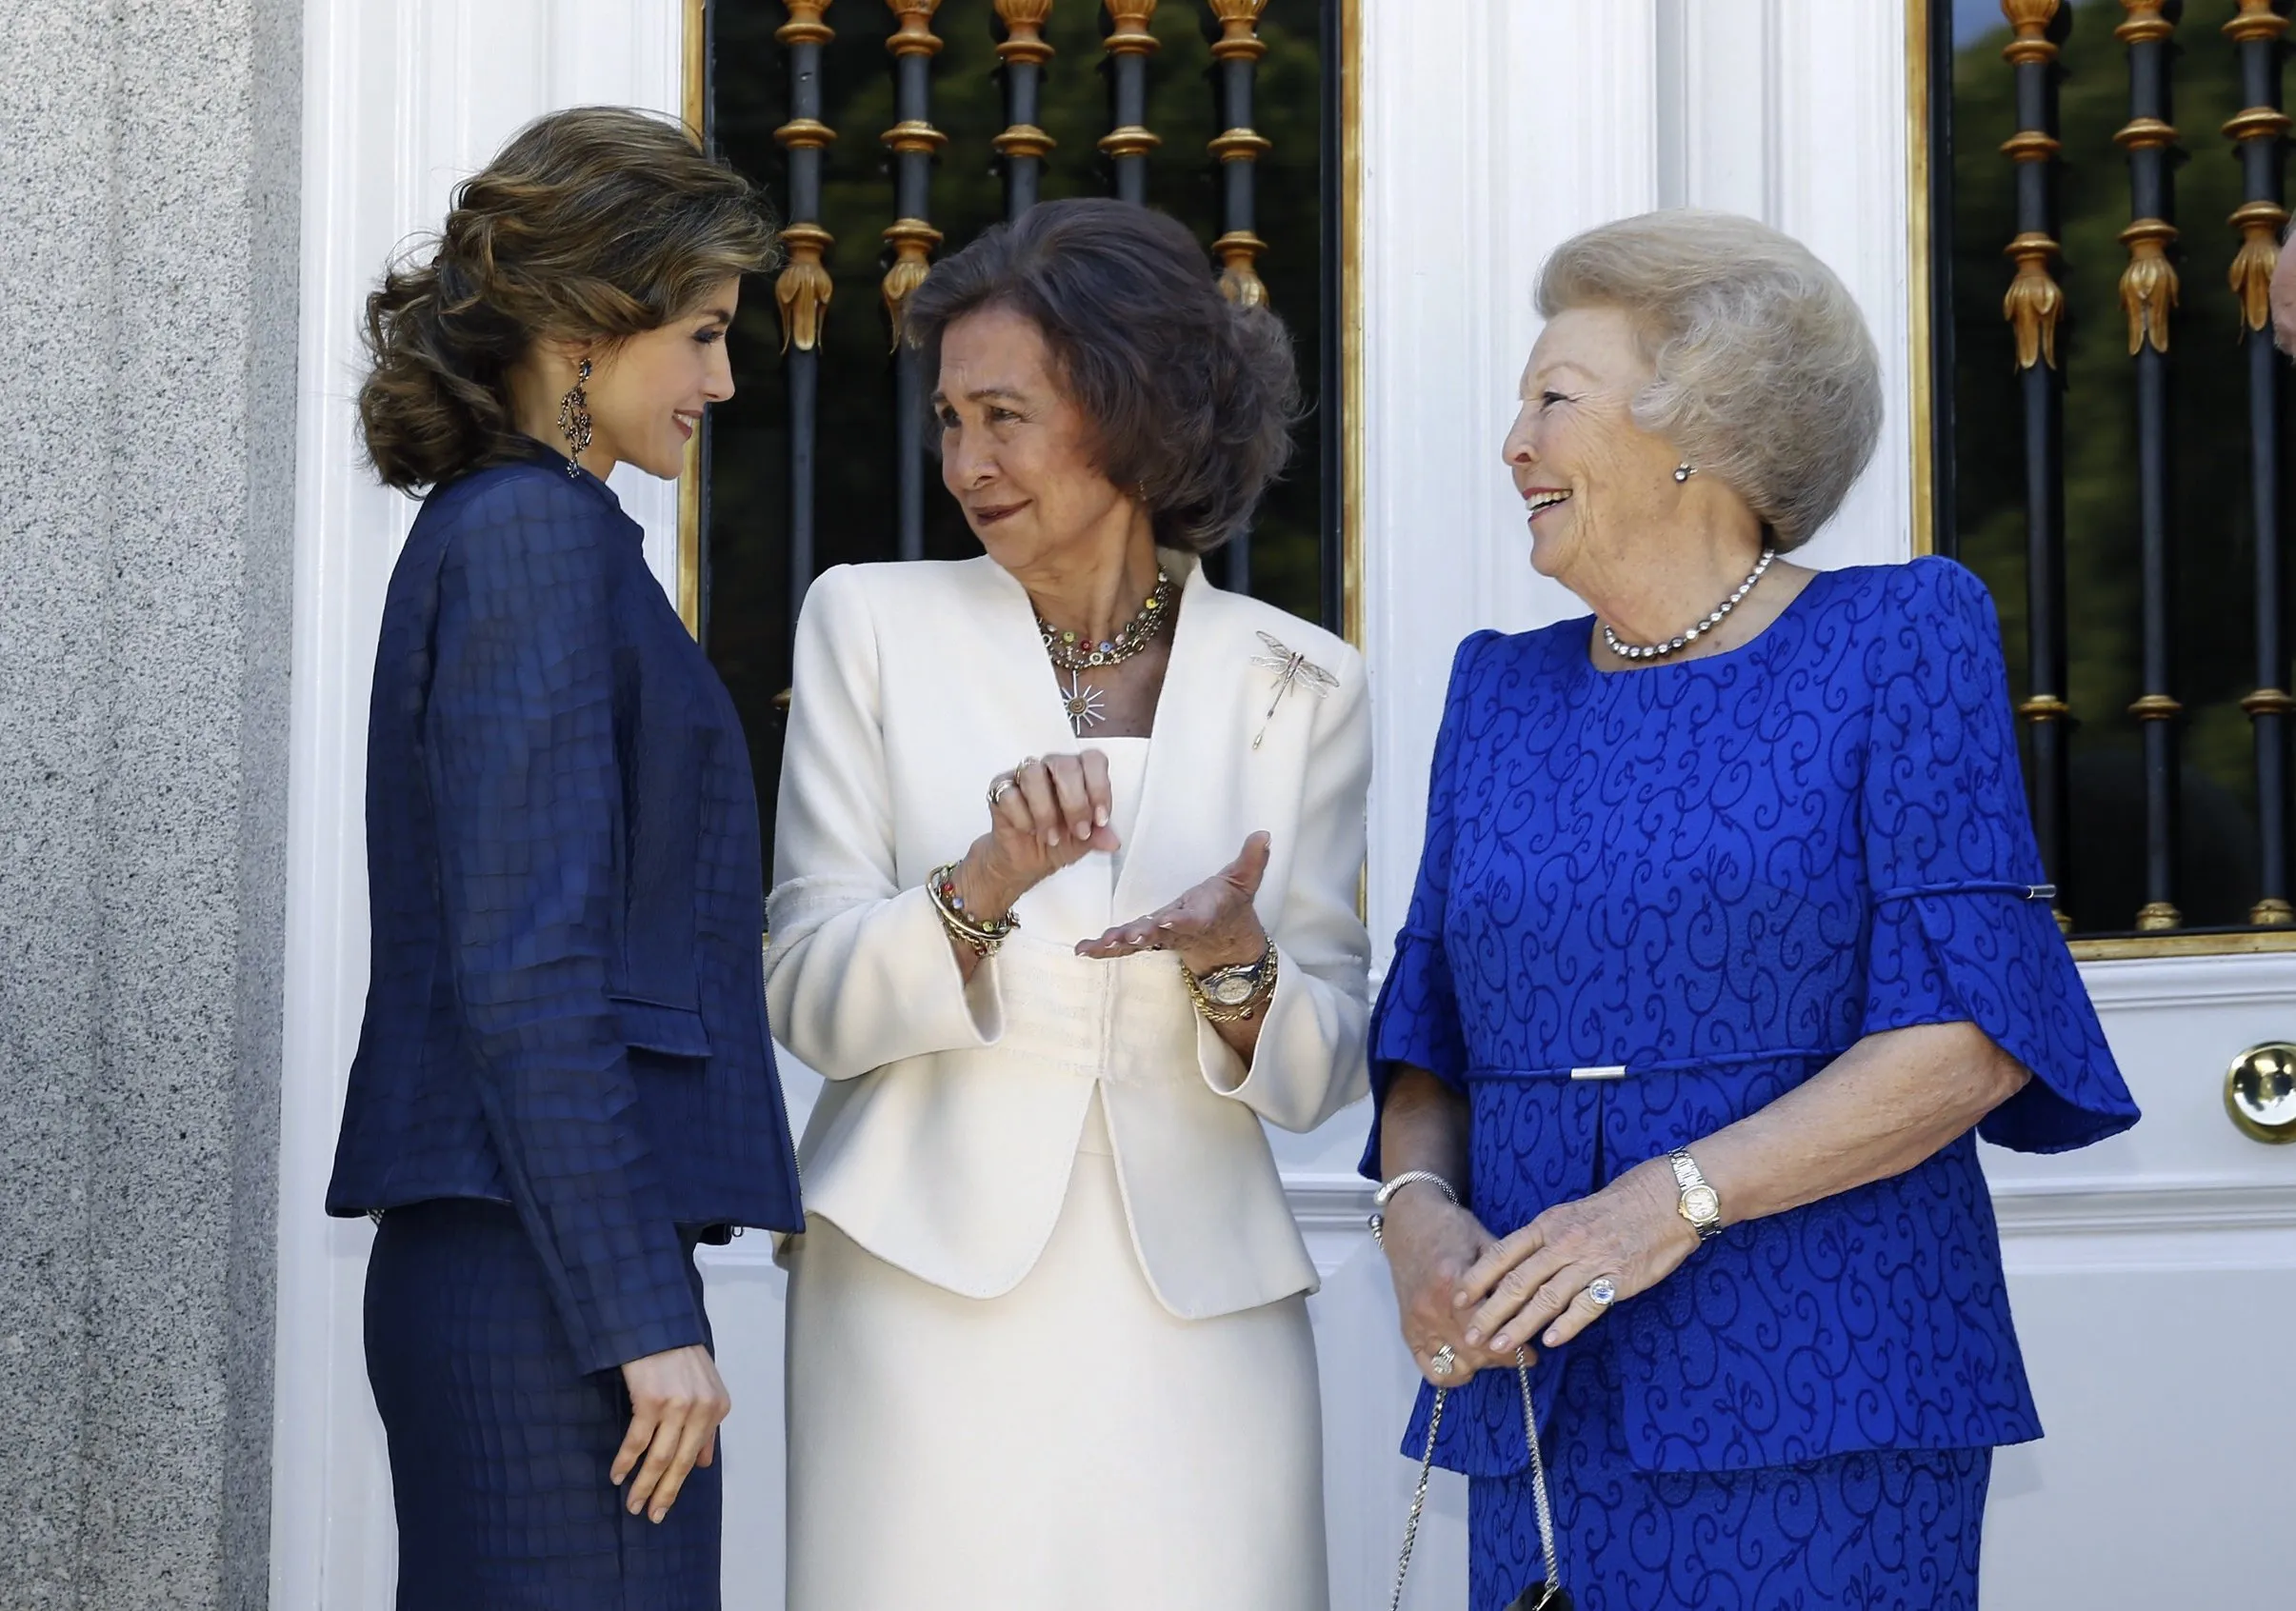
566,1012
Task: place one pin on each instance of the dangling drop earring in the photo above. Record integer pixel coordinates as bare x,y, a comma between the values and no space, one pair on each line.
573,421
1682,471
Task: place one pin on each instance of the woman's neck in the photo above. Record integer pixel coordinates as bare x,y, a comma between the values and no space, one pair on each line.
1095,593
1666,579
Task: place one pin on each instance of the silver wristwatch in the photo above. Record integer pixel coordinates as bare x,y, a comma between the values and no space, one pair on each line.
1700,1205
1233,985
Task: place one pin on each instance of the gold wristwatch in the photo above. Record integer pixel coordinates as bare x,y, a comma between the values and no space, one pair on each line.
1700,1205
1225,994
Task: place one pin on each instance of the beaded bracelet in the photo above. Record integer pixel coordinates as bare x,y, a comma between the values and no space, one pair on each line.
984,938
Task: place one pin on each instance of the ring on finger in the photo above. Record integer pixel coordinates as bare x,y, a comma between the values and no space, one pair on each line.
1001,787
1443,1361
1026,762
1601,1292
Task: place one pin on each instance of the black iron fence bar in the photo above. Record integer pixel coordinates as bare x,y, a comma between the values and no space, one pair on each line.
1129,45
914,141
2260,130
2148,292
1022,145
803,290
2033,305
1239,148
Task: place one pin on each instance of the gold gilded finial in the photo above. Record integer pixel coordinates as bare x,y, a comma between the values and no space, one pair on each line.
2035,302
2030,21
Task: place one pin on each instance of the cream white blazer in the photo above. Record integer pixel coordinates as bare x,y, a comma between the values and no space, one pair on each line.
944,1139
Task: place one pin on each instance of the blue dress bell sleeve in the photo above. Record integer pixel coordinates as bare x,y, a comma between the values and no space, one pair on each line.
524,769
1416,1019
1963,929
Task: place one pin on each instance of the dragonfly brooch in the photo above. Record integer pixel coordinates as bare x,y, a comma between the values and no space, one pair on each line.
1292,670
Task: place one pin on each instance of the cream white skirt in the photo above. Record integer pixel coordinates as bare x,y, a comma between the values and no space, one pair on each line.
1070,1444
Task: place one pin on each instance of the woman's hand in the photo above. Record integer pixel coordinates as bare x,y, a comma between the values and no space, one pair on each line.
1212,925
676,1402
1044,815
1631,1230
1430,1243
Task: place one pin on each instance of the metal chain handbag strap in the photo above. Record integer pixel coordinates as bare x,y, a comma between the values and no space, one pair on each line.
1545,1595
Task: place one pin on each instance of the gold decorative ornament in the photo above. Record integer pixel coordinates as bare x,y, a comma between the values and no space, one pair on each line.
1023,23
2148,284
804,25
912,241
803,288
2031,20
2257,20
2035,302
1239,252
1129,35
914,37
2045,707
2258,223
2145,24
2272,912
2260,1093
2156,707
2156,915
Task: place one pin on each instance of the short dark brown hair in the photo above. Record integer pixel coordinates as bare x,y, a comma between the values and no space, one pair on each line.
597,223
1192,397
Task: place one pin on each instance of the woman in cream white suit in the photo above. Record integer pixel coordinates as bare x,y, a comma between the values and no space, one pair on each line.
1065,907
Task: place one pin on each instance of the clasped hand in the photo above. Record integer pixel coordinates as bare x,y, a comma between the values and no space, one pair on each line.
1051,812
1486,1296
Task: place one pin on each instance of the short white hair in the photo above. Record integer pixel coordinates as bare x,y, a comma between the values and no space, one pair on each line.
1766,378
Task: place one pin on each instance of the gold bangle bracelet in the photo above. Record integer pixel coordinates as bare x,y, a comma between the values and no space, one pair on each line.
984,938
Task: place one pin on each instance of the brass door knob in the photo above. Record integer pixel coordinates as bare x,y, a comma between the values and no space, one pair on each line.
2260,1092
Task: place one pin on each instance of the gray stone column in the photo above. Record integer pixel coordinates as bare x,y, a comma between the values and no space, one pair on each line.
148,182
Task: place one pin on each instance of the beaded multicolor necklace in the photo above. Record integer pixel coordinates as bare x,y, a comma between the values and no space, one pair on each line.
1077,657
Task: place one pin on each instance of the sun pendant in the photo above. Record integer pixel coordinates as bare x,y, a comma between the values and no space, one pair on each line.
1083,704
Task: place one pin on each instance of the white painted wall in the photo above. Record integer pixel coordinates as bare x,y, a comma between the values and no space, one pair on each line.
2141,1269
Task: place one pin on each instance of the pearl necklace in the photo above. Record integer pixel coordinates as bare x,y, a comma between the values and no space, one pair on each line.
1653,652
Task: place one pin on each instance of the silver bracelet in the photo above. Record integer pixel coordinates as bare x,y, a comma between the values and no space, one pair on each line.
1388,1190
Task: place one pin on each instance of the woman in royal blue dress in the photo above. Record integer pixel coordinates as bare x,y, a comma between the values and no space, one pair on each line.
1730,937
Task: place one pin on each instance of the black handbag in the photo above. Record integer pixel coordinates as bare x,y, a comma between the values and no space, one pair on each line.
1547,1594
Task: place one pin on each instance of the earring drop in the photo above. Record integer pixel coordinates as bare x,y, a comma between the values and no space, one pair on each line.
573,421
1681,472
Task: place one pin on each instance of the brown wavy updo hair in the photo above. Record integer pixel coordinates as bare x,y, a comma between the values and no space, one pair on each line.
595,224
1192,397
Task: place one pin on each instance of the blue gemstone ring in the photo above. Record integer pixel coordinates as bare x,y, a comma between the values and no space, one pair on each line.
1601,1292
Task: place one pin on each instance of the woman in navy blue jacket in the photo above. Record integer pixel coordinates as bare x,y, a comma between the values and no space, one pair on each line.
564,1081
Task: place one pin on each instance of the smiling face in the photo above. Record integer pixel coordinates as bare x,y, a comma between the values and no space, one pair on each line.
1016,452
647,394
1587,472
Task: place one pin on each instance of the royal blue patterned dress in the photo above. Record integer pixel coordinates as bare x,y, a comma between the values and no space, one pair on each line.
1721,873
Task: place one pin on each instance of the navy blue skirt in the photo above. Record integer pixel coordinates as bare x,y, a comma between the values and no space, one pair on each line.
1878,1531
501,1445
